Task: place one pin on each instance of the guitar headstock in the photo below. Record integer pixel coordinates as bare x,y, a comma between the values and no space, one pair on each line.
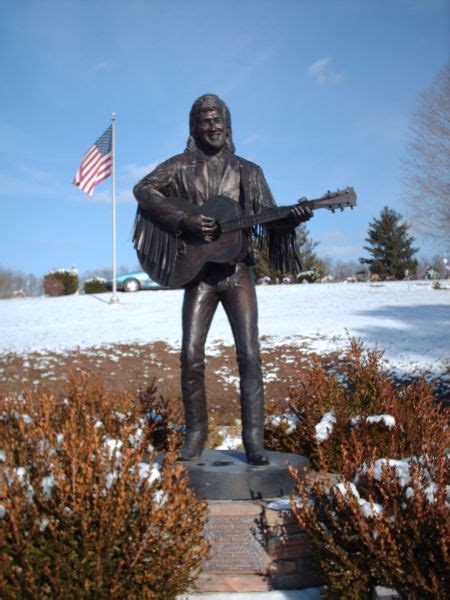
339,199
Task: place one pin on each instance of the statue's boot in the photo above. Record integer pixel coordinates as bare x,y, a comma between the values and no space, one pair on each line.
254,447
195,418
194,443
253,432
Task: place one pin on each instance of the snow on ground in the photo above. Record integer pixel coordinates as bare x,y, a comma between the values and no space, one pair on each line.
408,320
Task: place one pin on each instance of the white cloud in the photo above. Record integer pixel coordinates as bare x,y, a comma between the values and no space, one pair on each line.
35,175
318,66
58,243
14,139
31,183
125,197
335,250
101,66
253,138
134,172
389,128
104,197
239,71
321,71
333,237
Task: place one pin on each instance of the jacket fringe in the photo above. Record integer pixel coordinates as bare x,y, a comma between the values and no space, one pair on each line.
283,252
156,248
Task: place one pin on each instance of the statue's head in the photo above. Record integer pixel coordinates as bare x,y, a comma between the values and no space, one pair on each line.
209,125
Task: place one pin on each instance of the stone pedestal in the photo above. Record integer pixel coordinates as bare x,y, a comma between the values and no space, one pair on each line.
226,475
255,546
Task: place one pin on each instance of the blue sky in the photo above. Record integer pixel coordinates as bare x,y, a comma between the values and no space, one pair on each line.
321,94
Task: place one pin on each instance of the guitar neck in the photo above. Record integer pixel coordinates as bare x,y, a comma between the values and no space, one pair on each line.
273,214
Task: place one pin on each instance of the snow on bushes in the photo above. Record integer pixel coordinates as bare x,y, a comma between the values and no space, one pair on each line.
325,426
386,520
86,511
61,282
388,525
95,285
326,410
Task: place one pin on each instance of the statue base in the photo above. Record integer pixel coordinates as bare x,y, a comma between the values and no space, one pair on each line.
256,546
226,475
255,541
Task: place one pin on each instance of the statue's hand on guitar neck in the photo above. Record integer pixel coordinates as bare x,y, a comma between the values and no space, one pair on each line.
201,226
300,214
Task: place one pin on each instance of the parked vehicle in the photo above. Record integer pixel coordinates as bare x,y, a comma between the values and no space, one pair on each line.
133,282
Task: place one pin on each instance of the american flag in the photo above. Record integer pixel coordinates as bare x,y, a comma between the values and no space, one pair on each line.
96,164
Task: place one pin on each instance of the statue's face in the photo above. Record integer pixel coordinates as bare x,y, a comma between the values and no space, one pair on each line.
211,130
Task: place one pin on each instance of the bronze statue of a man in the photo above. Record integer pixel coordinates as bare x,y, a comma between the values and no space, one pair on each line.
207,168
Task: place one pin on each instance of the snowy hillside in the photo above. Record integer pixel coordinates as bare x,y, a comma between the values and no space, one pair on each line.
410,321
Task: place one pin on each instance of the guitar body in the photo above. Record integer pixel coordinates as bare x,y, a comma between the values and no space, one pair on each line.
194,253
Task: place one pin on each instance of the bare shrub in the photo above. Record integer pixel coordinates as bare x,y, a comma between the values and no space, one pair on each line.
361,390
388,526
161,416
53,286
386,521
87,512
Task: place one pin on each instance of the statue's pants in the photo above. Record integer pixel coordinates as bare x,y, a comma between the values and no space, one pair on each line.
237,294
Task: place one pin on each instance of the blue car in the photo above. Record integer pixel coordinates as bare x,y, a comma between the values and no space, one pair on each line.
133,282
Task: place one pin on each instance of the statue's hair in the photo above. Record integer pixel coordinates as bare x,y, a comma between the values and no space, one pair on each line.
203,104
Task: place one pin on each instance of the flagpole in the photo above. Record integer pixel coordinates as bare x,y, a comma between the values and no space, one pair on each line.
114,298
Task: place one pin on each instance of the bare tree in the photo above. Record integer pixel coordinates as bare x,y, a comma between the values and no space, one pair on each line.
427,163
345,268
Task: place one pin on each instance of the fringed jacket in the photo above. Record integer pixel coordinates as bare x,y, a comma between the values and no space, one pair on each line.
196,178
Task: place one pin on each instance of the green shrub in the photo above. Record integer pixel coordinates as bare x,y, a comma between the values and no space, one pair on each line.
61,282
86,512
95,285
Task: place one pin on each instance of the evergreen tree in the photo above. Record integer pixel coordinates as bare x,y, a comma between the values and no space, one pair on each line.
390,246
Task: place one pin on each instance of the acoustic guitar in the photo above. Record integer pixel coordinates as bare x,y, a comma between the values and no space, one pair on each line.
193,253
